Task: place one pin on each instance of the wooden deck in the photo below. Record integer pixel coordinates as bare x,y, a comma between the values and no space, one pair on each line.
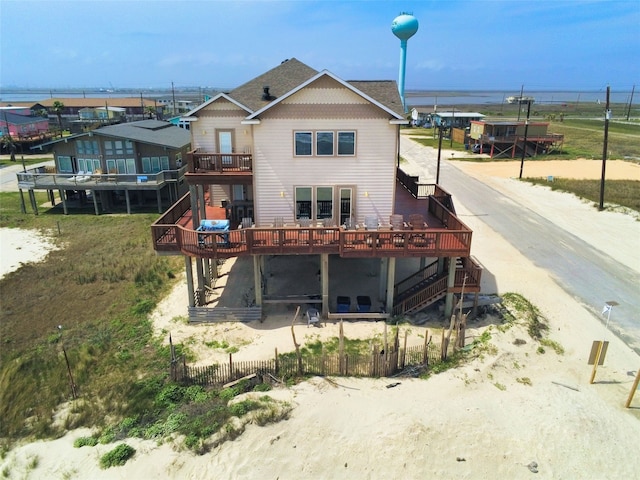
442,236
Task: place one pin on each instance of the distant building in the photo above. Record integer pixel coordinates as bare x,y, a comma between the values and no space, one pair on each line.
506,139
18,122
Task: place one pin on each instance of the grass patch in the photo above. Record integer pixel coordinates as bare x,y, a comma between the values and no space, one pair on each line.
619,192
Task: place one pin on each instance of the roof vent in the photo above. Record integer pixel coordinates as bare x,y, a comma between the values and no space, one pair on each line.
265,93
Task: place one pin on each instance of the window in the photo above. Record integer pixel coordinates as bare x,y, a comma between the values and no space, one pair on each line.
64,164
118,147
303,202
314,203
324,202
346,143
303,143
128,147
164,163
108,147
324,143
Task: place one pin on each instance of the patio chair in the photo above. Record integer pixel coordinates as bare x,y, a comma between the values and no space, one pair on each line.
313,317
247,222
305,221
371,222
396,221
417,222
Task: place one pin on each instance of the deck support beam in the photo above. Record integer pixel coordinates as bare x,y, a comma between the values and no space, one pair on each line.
94,196
391,278
257,278
189,270
451,281
324,279
382,288
126,197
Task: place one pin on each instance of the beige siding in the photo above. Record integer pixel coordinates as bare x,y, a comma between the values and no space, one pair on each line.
220,115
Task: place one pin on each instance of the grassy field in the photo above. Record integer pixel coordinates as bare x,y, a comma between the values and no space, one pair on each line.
100,287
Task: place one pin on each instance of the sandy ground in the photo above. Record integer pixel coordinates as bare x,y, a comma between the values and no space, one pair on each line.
489,419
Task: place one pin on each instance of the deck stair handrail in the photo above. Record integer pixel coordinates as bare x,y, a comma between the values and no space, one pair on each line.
412,184
427,286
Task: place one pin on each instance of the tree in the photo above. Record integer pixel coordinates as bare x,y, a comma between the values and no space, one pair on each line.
150,111
7,143
58,107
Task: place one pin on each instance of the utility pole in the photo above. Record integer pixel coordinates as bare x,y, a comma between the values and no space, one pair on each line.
630,102
439,151
520,100
526,131
607,117
173,92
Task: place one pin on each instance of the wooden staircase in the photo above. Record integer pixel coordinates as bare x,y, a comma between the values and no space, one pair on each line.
423,288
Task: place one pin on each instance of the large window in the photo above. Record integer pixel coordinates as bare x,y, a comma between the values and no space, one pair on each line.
346,143
87,147
303,143
65,165
314,203
324,143
88,164
154,164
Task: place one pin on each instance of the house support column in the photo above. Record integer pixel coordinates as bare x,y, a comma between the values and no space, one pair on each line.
63,197
200,273
451,281
189,270
423,262
384,267
95,201
159,198
391,278
34,204
441,264
324,280
203,205
257,278
52,197
193,196
126,197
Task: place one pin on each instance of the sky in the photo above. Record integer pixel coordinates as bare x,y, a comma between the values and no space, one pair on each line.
466,45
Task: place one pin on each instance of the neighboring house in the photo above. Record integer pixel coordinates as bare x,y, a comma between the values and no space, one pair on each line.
305,163
134,107
142,159
18,122
506,138
455,119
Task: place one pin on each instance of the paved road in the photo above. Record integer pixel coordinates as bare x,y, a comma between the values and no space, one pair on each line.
586,273
8,179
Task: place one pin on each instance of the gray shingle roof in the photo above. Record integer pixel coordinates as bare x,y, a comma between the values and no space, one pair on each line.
149,131
16,119
384,91
280,80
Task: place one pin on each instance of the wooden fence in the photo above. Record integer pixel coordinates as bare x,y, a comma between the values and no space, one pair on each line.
383,361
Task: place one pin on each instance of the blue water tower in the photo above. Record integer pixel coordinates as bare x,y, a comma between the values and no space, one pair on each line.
404,27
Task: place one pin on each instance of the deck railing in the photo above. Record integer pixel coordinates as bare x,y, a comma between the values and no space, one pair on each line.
220,162
38,178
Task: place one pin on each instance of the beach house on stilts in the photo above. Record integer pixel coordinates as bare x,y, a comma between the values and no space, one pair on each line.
300,165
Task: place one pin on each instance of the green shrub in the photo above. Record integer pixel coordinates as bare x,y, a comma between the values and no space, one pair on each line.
117,457
85,442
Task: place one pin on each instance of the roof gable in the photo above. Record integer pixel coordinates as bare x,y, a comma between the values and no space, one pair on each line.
348,85
215,99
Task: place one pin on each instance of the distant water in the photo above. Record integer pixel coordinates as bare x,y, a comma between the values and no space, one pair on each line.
474,97
413,98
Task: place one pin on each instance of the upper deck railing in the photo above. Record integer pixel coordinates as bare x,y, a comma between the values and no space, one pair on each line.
202,162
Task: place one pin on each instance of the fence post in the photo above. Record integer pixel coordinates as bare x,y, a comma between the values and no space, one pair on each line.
230,366
425,352
277,364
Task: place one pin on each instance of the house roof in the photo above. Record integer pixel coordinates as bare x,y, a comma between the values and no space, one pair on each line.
148,131
17,119
379,85
280,80
292,75
458,114
131,102
154,132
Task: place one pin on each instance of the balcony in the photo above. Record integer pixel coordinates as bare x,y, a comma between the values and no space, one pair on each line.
39,179
222,168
